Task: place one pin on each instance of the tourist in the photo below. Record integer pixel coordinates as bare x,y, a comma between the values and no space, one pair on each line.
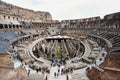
67,77
46,78
61,71
57,75
23,64
51,64
103,54
37,70
58,70
42,71
28,72
54,74
82,60
88,68
48,71
71,70
95,63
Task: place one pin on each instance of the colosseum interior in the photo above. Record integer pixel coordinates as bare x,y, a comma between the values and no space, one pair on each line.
33,46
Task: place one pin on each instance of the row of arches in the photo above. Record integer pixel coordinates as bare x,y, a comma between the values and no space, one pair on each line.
9,26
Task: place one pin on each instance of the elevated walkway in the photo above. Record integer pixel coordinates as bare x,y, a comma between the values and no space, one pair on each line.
30,52
113,69
87,51
107,41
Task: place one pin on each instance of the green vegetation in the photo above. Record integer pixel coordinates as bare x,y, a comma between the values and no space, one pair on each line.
36,53
59,51
48,56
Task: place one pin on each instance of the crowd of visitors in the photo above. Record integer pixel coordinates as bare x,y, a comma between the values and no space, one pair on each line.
61,68
77,59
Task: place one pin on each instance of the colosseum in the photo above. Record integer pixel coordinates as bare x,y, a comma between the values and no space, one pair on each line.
33,46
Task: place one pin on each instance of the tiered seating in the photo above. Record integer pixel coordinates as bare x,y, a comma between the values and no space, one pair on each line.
116,44
26,24
113,37
33,32
95,50
6,39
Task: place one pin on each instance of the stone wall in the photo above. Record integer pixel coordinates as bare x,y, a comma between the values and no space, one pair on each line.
27,14
5,61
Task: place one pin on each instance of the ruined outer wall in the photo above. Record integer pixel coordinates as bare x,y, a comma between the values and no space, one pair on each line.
30,15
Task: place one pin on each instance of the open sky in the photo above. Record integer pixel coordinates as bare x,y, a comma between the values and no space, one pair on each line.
70,9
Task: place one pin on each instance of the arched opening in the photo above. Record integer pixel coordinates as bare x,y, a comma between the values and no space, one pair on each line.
1,26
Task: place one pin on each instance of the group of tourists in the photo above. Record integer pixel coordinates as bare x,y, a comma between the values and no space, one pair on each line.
77,59
43,70
60,67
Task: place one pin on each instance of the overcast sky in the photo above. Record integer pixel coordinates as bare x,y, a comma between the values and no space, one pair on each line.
70,9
